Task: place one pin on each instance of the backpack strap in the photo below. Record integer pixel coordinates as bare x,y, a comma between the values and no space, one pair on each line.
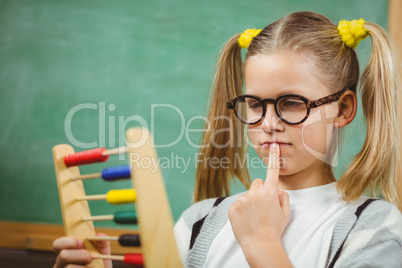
198,224
358,212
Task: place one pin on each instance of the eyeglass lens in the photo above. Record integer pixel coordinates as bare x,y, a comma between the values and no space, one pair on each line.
292,109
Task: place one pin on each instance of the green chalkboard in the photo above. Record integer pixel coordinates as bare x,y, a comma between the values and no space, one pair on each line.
81,72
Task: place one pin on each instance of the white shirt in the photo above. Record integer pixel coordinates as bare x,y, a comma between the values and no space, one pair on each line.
306,238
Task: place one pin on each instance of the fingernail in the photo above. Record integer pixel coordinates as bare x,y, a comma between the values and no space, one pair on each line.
80,244
274,145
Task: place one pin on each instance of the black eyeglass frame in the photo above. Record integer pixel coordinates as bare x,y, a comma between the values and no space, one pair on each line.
309,104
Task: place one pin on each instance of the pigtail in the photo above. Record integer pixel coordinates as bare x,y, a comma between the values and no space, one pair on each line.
374,168
222,145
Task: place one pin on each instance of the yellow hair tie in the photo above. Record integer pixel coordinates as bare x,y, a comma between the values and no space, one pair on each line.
352,32
247,36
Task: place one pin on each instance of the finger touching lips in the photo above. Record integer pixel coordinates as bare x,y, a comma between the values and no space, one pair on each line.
273,166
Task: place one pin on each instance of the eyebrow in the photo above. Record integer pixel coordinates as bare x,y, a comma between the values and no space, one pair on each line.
283,92
277,96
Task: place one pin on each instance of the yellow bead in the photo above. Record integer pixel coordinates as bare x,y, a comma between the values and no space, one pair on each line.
121,196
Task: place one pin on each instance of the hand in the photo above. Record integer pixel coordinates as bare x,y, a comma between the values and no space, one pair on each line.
260,215
71,252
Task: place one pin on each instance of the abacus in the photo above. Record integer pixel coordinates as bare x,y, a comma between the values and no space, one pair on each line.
152,211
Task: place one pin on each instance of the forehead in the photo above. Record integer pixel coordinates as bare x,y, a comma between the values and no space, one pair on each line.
269,76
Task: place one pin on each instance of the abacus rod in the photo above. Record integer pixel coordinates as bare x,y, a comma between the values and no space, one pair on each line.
87,176
92,197
91,156
114,197
99,218
108,257
102,238
120,150
130,259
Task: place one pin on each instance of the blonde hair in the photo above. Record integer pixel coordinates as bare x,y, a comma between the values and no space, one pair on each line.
373,170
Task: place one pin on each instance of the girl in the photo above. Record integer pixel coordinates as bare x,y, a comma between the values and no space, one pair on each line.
301,75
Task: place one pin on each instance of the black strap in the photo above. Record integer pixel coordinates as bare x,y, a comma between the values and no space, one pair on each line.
218,201
198,224
358,211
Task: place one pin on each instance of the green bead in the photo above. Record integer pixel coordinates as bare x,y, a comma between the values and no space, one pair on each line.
125,217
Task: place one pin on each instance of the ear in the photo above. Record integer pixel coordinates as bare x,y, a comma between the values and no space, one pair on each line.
347,105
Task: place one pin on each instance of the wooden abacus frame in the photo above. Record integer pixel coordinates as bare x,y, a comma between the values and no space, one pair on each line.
155,221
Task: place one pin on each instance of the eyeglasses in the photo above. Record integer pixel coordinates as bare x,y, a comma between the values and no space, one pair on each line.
290,108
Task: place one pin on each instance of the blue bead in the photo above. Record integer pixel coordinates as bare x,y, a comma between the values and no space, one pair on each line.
116,173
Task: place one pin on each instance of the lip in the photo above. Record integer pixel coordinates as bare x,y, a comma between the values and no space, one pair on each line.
280,143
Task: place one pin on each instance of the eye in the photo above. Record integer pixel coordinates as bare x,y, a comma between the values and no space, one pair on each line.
292,104
253,104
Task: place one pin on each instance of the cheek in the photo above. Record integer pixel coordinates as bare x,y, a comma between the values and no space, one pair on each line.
314,137
254,139
253,133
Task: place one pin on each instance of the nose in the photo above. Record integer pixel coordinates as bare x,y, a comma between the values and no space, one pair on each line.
271,121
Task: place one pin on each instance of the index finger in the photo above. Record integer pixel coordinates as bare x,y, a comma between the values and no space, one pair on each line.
103,246
273,166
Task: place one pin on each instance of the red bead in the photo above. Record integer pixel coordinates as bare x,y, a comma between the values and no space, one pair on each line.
85,157
134,259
